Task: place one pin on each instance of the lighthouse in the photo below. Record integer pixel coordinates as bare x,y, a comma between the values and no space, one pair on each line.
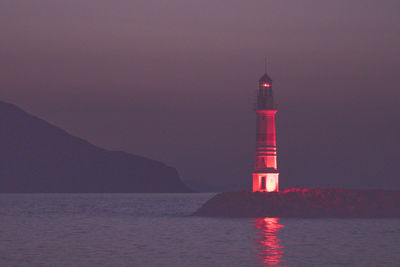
265,175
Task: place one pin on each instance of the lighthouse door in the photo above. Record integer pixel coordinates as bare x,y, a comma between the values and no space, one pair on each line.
263,183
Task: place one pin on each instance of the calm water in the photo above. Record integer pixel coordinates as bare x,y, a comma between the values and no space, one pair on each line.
156,230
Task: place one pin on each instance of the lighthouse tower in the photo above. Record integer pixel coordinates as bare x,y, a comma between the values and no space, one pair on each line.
265,175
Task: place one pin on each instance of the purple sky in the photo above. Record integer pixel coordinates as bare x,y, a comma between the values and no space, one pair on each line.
176,80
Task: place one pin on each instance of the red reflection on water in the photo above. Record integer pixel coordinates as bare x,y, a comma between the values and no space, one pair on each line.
270,248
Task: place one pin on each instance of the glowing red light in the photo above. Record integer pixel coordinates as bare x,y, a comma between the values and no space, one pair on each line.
271,251
266,85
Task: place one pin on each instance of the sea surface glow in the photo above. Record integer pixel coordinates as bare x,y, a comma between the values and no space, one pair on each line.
157,230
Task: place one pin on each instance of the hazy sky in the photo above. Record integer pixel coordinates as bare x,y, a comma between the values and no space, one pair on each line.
175,81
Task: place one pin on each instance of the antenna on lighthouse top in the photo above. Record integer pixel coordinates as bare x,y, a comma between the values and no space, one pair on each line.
265,64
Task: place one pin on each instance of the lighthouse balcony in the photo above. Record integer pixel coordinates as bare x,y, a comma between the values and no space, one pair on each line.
265,106
266,170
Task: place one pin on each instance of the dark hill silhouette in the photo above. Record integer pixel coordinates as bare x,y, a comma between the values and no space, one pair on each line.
36,156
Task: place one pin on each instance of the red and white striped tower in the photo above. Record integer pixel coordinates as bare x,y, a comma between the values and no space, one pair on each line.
265,175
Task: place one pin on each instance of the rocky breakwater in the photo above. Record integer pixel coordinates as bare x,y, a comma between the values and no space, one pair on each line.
305,203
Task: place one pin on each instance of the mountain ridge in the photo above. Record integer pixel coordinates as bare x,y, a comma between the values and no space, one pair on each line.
39,157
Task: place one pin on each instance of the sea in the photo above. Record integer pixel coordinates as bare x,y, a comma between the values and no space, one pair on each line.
159,230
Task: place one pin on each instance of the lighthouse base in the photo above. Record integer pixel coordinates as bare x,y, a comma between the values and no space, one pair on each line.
265,182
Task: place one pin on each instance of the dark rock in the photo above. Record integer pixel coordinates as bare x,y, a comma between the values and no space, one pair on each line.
335,203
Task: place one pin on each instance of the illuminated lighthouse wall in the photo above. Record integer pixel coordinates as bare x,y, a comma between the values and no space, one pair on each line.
265,175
